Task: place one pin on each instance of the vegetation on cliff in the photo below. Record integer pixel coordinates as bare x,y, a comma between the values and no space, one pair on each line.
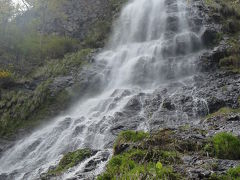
162,154
135,158
31,58
227,14
224,146
69,160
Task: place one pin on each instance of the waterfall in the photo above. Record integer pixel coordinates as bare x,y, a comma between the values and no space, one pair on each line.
152,44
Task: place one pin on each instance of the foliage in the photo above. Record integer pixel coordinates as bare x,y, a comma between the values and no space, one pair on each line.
31,45
52,46
229,16
128,137
5,74
17,106
131,136
61,67
69,160
98,35
232,60
232,174
143,159
125,166
36,57
224,146
23,36
223,112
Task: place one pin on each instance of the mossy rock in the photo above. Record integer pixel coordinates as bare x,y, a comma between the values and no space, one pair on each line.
143,158
131,165
70,160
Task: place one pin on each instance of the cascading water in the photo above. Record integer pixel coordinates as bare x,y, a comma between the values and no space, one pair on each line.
153,44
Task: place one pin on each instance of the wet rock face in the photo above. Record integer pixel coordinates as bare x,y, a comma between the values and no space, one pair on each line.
178,104
209,61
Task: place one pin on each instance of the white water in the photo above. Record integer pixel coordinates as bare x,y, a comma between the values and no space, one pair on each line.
151,45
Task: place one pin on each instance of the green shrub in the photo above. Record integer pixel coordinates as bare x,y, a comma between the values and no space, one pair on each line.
128,137
231,62
63,66
131,136
32,45
4,74
125,166
18,106
57,46
231,174
234,173
226,146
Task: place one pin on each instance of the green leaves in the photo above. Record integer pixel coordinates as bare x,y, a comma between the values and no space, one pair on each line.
159,166
226,146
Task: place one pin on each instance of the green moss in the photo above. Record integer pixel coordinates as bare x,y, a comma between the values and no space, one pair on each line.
234,172
128,137
231,174
69,160
145,157
17,106
63,66
125,166
223,112
166,157
23,110
224,146
131,136
228,13
211,3
231,61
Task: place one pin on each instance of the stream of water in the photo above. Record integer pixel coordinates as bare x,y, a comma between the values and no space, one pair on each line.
152,44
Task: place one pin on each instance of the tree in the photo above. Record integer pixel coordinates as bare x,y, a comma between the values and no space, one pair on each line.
47,10
6,12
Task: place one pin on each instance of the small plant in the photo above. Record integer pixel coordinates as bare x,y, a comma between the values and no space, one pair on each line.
226,146
234,172
132,136
128,137
230,62
125,167
63,66
231,174
4,74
